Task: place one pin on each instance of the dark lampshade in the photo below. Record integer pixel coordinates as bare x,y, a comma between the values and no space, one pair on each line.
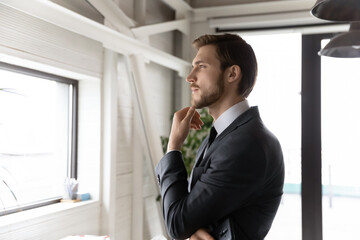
346,45
337,10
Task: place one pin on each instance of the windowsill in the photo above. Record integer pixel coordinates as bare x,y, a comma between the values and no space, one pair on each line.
31,216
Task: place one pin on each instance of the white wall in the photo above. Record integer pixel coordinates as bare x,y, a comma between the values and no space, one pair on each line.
58,51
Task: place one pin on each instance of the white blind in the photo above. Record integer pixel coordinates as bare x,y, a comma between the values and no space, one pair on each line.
27,36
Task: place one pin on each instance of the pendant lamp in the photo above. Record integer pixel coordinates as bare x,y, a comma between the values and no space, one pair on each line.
345,45
337,10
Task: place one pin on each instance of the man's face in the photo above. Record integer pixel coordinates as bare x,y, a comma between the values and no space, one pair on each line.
206,78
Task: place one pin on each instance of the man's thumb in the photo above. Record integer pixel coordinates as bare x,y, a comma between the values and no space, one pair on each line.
190,113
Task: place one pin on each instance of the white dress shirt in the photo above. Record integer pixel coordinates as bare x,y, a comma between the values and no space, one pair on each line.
227,117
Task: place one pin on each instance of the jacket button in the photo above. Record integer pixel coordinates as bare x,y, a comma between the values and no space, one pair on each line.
223,232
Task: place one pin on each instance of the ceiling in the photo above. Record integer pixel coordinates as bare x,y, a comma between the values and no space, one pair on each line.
224,15
212,3
245,15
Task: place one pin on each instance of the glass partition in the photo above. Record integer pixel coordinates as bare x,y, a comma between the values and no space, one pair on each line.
277,93
340,84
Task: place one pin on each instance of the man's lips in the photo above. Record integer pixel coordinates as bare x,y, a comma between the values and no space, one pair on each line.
194,88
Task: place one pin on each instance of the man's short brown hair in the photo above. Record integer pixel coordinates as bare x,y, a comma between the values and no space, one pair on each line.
233,50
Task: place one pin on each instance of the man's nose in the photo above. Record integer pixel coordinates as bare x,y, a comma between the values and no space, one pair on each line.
191,77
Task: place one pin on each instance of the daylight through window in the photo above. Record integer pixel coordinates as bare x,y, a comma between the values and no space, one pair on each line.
37,137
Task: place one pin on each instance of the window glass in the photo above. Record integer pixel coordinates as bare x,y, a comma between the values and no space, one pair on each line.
340,113
34,139
277,94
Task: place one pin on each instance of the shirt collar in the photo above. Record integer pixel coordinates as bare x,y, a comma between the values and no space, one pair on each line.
227,117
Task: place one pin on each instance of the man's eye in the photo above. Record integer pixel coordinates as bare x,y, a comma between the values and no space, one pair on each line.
202,66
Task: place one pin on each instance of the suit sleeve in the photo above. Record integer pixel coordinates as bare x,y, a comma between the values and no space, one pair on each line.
230,181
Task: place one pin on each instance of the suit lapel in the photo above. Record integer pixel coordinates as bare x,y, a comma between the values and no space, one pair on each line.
241,120
200,153
199,156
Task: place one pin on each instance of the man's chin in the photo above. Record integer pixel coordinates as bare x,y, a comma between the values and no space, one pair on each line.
197,105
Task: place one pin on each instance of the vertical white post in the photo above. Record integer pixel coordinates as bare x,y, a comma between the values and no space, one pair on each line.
152,138
149,139
137,230
109,147
185,99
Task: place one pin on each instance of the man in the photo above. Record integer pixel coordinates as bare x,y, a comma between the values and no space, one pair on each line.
240,175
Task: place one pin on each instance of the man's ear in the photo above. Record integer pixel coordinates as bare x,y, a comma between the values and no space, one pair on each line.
234,73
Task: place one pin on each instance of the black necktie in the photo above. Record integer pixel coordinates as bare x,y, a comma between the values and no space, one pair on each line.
212,136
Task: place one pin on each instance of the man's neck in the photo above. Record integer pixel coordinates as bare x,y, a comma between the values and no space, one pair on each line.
218,108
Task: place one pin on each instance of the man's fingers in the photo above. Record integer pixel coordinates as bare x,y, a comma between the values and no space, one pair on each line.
195,126
196,119
205,235
201,234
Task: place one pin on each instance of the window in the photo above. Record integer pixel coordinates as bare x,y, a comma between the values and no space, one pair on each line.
340,142
38,115
277,93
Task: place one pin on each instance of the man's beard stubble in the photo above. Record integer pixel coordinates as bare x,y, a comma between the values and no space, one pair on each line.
209,98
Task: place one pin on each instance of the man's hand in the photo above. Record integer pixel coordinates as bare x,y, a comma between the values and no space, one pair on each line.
201,234
183,120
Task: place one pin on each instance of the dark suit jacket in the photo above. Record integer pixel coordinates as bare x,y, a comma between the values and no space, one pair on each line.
241,176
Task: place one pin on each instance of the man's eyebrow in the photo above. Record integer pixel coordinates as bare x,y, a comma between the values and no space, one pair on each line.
198,62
